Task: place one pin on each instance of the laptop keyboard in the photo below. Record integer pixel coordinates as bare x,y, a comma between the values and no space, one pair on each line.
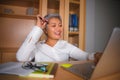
83,70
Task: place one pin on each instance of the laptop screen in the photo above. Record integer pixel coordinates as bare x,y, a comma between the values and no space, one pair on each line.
110,60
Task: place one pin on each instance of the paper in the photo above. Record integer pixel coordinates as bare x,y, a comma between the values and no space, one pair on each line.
14,68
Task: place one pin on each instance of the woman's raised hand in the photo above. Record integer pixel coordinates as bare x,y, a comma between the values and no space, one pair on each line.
41,22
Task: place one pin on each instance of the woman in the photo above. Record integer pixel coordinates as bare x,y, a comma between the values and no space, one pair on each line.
51,49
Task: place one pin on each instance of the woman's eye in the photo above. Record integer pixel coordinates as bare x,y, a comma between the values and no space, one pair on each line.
53,25
60,25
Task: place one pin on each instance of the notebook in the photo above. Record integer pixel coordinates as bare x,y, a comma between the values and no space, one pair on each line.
108,63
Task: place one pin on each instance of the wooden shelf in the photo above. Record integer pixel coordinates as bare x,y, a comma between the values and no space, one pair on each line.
33,17
75,1
73,33
22,3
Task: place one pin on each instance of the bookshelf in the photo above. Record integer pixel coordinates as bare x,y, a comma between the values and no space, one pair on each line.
28,9
75,37
20,16
74,12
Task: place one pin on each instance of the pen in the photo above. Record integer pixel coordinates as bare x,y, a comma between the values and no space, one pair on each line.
43,20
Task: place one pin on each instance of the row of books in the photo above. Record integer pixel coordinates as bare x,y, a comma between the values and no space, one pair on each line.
73,22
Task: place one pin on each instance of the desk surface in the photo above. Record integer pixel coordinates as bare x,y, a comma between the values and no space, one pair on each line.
60,75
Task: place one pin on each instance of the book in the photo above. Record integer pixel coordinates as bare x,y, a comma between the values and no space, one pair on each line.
73,22
70,23
50,73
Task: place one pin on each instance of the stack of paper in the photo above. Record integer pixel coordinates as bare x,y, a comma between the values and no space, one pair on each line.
14,68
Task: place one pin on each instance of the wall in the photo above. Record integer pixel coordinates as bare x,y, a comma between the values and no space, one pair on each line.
102,17
90,25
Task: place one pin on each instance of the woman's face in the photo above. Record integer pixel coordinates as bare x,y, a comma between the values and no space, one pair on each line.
54,29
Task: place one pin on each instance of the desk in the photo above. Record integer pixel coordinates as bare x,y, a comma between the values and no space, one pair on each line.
60,75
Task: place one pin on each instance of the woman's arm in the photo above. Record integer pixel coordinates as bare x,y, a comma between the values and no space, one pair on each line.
25,51
79,54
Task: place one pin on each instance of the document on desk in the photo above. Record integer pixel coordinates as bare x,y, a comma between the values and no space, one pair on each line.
14,68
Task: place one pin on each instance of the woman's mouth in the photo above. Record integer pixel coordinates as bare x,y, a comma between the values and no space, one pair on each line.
57,33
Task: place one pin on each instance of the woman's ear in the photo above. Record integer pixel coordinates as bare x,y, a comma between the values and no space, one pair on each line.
45,31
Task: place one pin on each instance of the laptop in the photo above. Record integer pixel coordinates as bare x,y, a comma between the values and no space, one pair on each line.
108,64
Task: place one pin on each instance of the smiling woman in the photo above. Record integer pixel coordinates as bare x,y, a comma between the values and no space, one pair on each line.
52,48
53,31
